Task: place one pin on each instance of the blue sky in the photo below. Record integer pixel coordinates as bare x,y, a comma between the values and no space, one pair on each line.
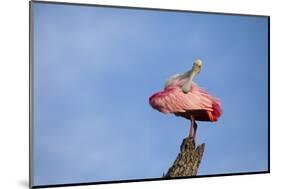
95,68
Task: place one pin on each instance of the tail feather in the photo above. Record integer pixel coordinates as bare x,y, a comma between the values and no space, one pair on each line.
217,110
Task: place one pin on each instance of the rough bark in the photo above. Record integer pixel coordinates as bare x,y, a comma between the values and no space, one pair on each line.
187,161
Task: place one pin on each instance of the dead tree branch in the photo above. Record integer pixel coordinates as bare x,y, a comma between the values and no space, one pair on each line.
187,161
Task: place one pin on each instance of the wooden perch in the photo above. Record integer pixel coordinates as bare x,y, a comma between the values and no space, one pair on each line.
187,161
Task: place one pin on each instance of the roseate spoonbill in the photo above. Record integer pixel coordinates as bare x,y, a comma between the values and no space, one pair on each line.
184,98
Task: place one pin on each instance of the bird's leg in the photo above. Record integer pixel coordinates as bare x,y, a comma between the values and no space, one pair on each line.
195,129
191,129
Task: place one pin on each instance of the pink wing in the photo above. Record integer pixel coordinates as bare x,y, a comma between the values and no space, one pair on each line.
173,100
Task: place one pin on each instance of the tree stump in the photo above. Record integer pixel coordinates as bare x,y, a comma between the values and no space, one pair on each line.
187,161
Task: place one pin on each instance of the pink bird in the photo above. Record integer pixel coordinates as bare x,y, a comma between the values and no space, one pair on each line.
184,98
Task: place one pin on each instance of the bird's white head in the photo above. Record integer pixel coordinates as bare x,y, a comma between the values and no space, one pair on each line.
197,66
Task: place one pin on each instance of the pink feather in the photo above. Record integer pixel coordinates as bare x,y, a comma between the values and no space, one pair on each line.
196,102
